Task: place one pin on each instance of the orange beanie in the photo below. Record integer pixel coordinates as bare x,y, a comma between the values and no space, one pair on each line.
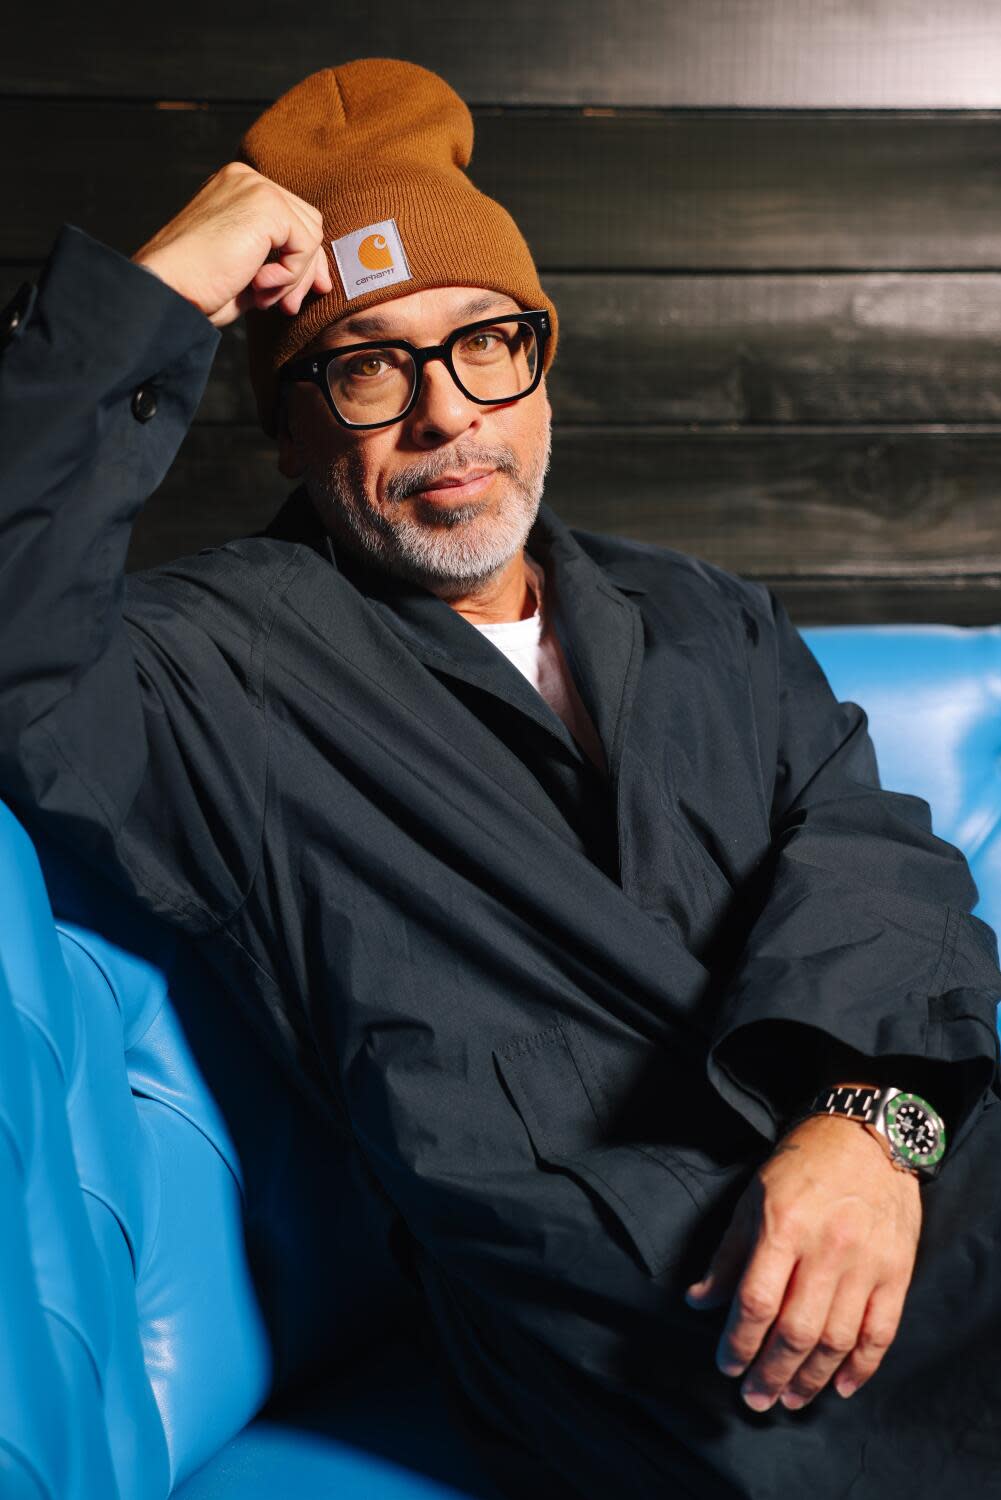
379,146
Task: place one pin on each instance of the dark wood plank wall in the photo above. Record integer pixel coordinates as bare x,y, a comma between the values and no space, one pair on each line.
772,228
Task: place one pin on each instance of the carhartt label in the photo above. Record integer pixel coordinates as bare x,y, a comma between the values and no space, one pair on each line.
370,257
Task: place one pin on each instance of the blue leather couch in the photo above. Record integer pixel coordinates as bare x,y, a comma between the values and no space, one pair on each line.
192,1302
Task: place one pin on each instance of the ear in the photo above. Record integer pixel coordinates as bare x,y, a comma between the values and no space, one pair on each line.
291,454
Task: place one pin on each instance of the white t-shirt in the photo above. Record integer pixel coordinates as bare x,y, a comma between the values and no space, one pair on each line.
533,647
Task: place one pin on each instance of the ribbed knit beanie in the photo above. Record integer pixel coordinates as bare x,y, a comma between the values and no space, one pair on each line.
379,146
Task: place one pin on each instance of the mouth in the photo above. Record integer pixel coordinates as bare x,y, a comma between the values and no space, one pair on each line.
453,489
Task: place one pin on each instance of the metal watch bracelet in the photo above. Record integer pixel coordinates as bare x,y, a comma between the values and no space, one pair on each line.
908,1128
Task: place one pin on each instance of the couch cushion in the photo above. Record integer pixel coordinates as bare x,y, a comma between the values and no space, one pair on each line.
382,1433
71,1349
932,694
196,1237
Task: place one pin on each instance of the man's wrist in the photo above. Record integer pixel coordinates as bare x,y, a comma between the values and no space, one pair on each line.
906,1126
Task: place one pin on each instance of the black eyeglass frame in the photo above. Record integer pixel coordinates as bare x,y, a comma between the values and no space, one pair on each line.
314,367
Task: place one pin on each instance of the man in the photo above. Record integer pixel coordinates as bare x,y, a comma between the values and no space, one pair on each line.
551,857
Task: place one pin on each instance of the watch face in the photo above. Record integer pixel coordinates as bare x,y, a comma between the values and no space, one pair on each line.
915,1130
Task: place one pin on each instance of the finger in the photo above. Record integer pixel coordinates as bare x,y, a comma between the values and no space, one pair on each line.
837,1339
275,283
315,279
272,285
274,273
755,1307
726,1267
281,276
308,210
318,278
878,1330
241,170
230,311
323,281
793,1335
291,260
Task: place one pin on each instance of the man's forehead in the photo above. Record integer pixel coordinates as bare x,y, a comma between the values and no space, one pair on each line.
441,308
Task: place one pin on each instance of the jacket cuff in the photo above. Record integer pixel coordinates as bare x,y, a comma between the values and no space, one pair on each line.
101,311
769,1067
99,330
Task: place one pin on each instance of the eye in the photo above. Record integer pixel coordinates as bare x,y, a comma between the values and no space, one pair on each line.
365,366
482,343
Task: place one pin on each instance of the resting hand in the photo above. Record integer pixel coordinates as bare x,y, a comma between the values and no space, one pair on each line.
817,1259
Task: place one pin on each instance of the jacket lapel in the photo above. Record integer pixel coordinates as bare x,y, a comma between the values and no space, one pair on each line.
448,644
599,629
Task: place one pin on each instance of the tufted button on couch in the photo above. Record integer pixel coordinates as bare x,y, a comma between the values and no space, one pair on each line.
197,1294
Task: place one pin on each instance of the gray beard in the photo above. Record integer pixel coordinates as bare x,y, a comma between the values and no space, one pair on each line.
450,553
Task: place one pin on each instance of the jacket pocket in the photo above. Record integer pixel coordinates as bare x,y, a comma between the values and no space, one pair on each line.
655,1203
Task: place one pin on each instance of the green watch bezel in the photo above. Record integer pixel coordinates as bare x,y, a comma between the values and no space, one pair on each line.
917,1159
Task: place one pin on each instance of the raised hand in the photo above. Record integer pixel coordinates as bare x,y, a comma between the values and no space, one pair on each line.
241,242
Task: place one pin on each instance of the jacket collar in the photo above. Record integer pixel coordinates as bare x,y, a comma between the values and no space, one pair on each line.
598,627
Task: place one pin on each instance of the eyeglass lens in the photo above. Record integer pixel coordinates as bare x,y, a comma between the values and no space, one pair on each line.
494,364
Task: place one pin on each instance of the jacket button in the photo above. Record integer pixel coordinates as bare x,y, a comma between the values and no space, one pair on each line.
15,314
144,403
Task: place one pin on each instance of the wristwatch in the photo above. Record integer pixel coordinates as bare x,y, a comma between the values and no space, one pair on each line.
907,1127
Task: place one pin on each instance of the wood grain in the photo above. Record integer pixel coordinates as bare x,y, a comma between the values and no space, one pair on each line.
879,54
628,192
848,348
868,518
974,599
776,259
748,350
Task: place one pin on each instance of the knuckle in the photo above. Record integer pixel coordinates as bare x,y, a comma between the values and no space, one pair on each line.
878,1337
755,1306
797,1337
785,1226
842,1239
835,1344
861,1367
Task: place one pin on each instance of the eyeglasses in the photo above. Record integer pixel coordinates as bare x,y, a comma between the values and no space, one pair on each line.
492,361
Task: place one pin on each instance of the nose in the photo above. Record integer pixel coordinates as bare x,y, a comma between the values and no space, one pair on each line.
442,413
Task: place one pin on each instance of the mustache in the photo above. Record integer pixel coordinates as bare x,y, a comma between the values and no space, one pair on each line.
418,476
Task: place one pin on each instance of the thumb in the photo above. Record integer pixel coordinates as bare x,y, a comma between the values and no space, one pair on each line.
726,1267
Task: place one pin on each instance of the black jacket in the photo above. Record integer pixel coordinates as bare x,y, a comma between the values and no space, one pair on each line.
560,1014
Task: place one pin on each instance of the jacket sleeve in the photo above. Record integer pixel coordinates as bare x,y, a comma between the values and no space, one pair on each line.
861,959
125,733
